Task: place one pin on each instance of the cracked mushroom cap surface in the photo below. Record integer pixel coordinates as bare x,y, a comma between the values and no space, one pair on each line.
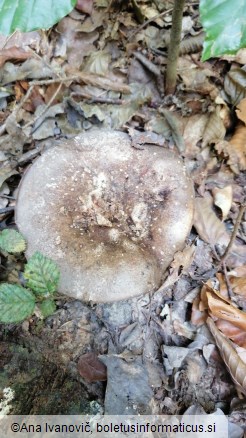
110,215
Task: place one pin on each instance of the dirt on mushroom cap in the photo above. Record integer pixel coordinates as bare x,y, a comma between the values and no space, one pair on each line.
110,215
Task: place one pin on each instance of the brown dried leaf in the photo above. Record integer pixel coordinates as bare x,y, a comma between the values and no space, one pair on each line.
226,150
15,53
223,199
223,286
193,132
84,6
237,279
198,317
238,143
237,335
207,224
91,368
235,85
241,110
241,353
196,78
192,44
174,126
224,310
222,295
181,262
235,365
214,129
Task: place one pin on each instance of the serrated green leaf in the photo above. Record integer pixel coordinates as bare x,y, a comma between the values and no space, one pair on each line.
47,307
42,275
27,15
12,241
225,26
16,303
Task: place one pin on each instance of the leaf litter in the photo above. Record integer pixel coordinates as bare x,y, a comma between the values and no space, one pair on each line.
99,67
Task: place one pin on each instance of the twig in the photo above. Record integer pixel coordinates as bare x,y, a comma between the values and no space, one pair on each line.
8,39
44,110
16,110
147,63
234,233
148,22
88,79
92,99
7,210
229,289
29,155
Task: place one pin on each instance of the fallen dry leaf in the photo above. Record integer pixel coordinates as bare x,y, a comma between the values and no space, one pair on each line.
84,6
224,310
91,368
198,317
241,353
237,335
241,110
193,132
237,280
238,143
235,365
223,199
223,286
214,129
181,262
207,224
16,53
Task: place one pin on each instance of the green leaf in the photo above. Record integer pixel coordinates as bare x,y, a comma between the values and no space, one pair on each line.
42,275
47,307
16,303
12,241
27,15
225,26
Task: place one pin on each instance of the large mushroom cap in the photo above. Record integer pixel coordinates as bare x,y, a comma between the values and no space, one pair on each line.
110,215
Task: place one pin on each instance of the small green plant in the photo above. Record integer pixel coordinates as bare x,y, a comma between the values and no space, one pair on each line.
27,15
225,26
41,274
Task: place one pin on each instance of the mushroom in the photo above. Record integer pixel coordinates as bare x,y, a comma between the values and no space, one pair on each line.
110,215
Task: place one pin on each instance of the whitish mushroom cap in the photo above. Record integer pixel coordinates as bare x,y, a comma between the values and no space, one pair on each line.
110,215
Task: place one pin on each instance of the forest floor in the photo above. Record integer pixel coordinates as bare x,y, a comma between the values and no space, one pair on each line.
100,68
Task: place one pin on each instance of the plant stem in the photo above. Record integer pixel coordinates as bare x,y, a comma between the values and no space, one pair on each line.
234,233
173,50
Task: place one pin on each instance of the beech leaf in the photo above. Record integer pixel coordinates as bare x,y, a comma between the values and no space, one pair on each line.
238,143
223,199
32,14
214,129
235,85
207,224
174,127
241,110
181,262
224,26
235,365
221,309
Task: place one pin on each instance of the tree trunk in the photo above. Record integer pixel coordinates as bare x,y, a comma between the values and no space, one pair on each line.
173,50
